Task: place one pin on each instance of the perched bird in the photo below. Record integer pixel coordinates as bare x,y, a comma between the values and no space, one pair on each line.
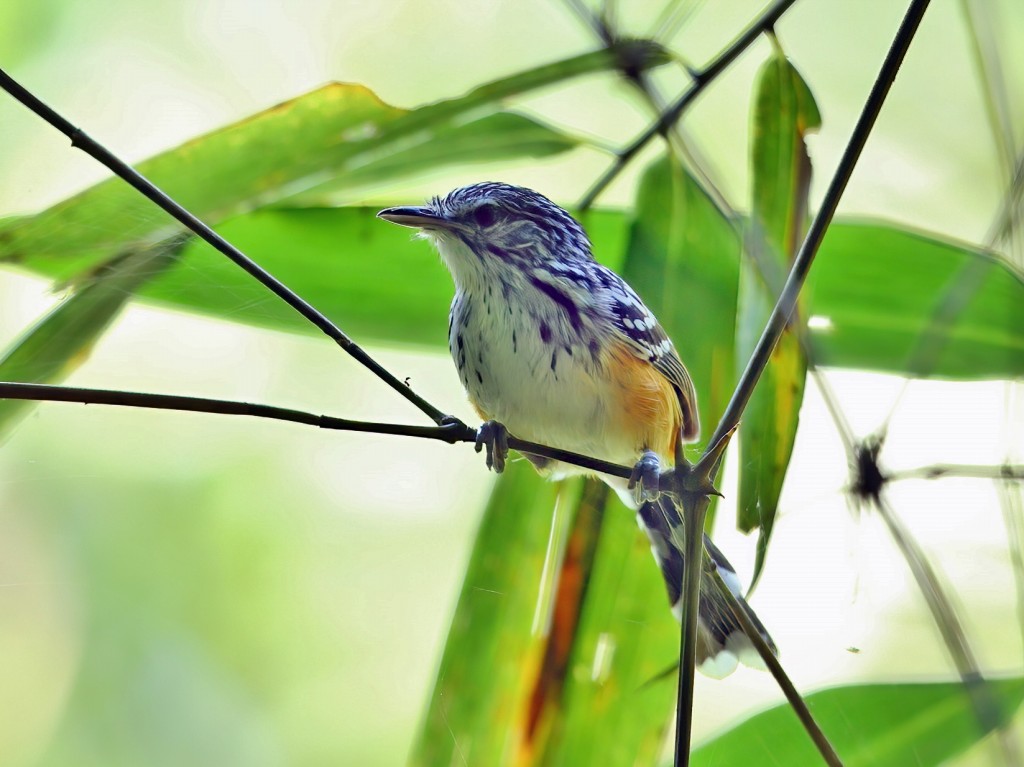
559,350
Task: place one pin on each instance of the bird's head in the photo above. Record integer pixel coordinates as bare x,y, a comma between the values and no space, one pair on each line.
490,228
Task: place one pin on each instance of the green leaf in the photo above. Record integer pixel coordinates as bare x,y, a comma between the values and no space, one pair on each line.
480,700
617,699
62,340
280,152
784,111
370,277
549,704
874,293
877,725
501,136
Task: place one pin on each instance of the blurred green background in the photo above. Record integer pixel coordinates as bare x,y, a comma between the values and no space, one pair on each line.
189,589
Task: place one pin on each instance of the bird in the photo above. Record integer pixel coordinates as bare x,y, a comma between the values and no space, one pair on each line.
554,348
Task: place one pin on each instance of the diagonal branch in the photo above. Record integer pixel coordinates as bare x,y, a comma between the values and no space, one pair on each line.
796,702
701,80
692,483
147,188
805,256
984,702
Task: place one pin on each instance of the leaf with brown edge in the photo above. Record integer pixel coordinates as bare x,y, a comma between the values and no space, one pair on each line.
302,144
784,112
480,704
547,703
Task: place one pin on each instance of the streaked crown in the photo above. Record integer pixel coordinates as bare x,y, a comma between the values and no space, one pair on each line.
510,224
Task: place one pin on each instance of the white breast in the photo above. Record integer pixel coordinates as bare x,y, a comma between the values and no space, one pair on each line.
525,368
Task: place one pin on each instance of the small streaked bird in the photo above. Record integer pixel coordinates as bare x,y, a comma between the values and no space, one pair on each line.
559,350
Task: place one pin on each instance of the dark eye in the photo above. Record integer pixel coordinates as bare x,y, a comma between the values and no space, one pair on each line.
485,215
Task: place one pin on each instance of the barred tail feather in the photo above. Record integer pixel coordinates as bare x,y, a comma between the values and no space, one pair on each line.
721,641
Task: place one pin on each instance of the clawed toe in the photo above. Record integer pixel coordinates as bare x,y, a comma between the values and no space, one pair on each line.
494,437
645,479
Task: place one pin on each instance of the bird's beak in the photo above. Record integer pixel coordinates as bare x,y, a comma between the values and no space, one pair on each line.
420,218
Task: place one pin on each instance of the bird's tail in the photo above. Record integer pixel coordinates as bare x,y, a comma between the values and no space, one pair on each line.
721,641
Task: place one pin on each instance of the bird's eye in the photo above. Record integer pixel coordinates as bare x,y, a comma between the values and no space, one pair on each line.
485,215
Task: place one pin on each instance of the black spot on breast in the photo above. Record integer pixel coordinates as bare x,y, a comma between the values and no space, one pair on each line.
595,349
458,350
479,377
568,350
562,299
554,360
545,332
514,344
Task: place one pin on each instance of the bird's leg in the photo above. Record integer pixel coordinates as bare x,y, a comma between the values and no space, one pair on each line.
493,436
646,477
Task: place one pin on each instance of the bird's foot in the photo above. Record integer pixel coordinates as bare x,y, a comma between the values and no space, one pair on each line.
493,436
646,477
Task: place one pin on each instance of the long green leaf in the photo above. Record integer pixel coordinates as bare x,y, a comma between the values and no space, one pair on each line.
480,702
784,111
501,136
870,296
616,703
297,145
61,341
877,725
372,279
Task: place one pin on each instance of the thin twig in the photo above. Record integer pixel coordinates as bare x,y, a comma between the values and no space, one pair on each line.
1007,472
805,257
147,188
705,469
450,432
693,551
701,80
796,701
608,36
983,700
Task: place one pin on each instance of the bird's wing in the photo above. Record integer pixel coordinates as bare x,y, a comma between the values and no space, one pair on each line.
641,332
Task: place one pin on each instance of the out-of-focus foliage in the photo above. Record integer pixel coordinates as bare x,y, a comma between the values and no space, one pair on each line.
871,314
339,136
881,725
561,630
495,638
